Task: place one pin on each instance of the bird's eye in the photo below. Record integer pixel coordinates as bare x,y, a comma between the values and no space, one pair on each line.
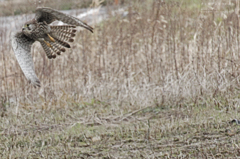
28,26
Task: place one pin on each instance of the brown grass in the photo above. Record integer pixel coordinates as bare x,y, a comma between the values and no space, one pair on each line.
161,82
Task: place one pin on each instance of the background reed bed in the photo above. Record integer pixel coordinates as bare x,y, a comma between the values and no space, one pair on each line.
159,81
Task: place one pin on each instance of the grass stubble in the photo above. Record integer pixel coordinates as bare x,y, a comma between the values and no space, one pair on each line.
162,82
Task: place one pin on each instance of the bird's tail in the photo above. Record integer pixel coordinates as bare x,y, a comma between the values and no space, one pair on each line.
59,38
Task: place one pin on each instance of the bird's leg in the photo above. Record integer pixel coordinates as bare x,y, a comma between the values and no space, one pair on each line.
47,43
51,38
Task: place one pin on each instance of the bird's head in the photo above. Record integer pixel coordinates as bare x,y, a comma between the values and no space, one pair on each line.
28,27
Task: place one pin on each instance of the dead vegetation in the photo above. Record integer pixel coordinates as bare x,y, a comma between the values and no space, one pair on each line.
161,82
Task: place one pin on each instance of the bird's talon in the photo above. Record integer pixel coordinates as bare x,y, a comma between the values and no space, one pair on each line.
48,44
51,38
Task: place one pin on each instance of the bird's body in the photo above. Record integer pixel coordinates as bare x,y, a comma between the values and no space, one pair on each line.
36,30
54,39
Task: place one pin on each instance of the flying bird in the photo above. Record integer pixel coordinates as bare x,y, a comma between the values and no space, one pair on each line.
53,38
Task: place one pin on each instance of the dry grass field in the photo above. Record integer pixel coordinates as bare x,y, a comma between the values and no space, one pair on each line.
161,82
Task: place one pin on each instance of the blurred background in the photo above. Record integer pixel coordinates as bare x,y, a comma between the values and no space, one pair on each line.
16,7
170,49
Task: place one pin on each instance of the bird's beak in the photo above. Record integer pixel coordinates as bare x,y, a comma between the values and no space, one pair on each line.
24,27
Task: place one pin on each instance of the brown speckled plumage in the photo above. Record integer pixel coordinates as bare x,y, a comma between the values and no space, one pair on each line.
54,39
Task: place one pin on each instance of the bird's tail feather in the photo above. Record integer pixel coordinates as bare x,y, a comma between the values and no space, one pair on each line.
61,35
49,52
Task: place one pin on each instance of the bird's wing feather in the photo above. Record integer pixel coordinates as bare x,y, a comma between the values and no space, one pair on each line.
21,45
49,15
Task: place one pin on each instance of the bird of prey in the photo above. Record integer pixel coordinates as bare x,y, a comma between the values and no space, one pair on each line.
53,39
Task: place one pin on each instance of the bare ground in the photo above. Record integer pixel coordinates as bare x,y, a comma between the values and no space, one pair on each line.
91,130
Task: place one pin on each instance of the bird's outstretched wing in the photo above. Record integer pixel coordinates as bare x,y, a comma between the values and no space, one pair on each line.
49,15
21,45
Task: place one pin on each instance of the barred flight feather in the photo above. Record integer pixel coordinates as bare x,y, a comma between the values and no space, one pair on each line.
49,52
64,32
